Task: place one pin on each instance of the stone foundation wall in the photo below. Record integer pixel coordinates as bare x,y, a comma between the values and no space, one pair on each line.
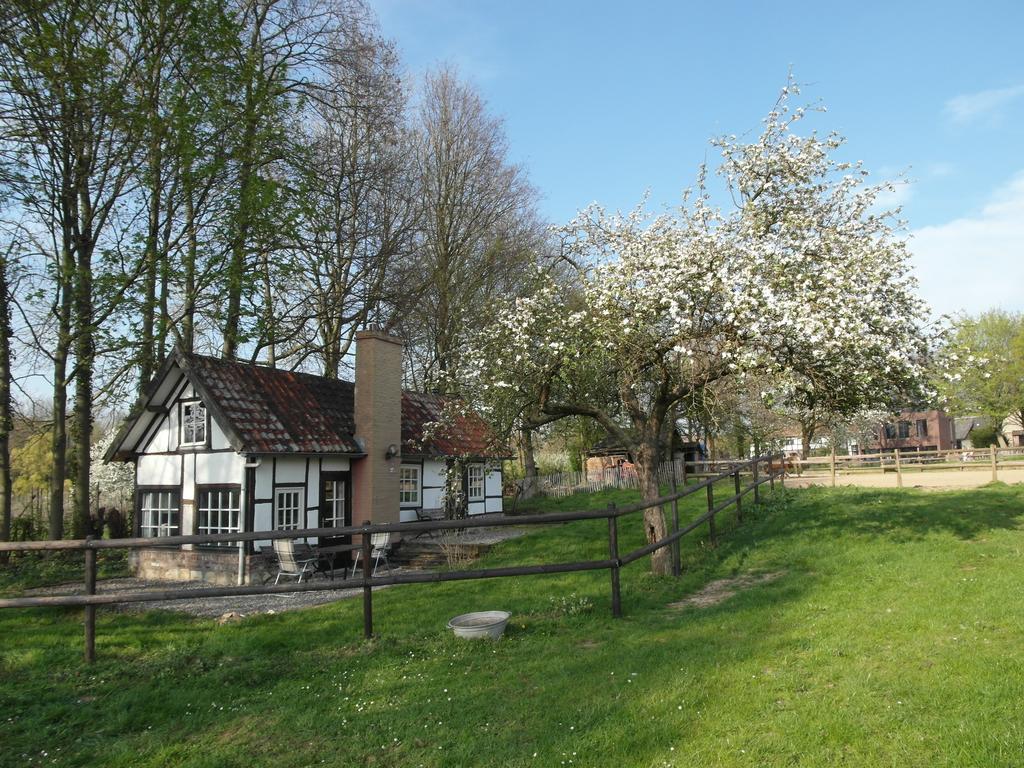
218,567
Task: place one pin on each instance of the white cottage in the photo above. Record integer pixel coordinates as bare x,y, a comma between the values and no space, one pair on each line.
221,446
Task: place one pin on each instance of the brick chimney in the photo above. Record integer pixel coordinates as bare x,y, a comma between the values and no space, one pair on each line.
378,403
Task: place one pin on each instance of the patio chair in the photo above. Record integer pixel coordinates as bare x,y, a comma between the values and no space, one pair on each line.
423,516
291,564
380,546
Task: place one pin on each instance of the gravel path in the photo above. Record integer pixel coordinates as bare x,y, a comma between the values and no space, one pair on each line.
209,607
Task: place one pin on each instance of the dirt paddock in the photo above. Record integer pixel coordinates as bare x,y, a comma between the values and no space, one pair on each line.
937,480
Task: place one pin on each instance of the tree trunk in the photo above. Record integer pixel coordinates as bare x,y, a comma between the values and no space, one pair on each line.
84,359
5,407
59,436
655,528
806,437
188,314
529,464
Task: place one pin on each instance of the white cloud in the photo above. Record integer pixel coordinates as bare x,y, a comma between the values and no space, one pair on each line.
975,263
968,107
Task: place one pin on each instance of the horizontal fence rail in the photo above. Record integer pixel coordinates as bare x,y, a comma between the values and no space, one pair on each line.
762,470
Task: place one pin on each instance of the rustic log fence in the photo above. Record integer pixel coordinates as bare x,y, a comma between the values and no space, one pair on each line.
90,600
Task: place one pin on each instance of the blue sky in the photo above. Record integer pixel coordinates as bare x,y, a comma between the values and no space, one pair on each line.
603,101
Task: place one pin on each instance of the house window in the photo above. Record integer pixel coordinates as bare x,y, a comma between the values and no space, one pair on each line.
475,482
889,430
904,430
288,509
409,484
334,504
193,423
922,427
218,511
160,513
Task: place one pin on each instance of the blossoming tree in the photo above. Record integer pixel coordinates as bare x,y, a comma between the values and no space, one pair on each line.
799,276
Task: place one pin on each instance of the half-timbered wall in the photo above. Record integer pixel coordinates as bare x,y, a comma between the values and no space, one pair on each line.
432,489
275,473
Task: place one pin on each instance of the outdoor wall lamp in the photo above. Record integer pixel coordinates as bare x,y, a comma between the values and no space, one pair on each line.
391,452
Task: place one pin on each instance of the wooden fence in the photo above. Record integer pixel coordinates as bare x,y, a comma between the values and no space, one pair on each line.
907,462
558,484
760,470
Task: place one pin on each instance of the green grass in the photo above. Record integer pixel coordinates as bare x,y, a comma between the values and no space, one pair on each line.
894,638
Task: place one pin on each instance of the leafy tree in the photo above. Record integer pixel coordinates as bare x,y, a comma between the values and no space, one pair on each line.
978,369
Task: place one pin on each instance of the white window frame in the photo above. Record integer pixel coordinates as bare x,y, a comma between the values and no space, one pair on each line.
472,481
289,516
409,497
223,515
335,518
167,508
187,424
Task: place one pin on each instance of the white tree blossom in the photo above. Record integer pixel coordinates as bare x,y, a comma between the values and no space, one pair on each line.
799,277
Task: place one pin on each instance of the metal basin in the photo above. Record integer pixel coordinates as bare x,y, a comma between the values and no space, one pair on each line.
486,624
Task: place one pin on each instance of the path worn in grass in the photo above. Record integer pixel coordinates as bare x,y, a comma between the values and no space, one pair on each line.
893,638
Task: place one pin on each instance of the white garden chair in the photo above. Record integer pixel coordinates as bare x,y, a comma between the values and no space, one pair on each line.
289,564
380,544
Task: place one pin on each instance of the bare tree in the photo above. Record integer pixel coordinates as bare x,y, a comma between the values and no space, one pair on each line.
357,196
478,232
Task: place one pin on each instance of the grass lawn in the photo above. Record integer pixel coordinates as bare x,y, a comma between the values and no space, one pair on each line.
893,637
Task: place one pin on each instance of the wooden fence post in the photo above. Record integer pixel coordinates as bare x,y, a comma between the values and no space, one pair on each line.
757,485
739,499
771,472
711,518
995,464
90,610
833,466
367,554
899,470
676,560
613,554
782,464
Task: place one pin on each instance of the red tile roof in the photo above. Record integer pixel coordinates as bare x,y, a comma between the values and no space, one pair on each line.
458,432
268,410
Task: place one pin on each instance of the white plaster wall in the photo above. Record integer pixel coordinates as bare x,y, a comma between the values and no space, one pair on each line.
158,470
264,481
219,468
291,470
263,519
492,480
433,474
161,440
336,464
313,492
188,481
218,440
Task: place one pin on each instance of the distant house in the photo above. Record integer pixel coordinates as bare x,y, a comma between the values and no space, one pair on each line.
914,431
964,426
1013,431
221,446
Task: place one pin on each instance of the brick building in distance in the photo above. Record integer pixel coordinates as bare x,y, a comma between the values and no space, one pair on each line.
914,431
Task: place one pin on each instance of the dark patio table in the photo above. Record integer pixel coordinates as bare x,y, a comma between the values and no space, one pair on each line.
326,554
